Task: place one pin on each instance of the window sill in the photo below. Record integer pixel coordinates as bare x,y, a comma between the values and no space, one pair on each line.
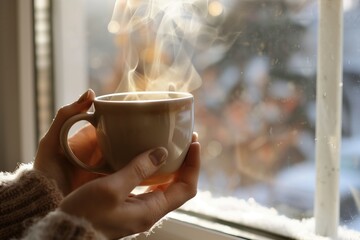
181,226
207,217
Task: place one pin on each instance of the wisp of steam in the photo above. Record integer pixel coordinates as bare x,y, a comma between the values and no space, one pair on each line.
158,40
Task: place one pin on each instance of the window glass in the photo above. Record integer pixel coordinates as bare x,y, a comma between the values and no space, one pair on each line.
255,107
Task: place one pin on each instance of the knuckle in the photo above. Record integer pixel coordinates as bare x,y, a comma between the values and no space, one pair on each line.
42,142
62,111
140,171
193,192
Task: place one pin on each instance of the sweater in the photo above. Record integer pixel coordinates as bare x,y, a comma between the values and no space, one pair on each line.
29,209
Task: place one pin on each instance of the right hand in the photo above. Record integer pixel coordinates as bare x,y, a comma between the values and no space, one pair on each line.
108,204
50,158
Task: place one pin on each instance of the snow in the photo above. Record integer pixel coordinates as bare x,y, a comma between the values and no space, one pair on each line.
250,213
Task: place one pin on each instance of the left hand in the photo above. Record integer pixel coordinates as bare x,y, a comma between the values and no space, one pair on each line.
50,158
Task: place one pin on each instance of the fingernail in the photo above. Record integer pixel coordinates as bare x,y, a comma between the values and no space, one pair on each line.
196,136
158,156
84,97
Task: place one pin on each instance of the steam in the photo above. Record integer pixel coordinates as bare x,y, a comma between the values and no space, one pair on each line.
158,41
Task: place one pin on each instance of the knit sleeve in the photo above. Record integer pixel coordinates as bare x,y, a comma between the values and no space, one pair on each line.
59,225
28,209
25,196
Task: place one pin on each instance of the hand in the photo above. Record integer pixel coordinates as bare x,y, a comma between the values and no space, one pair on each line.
51,160
107,202
109,205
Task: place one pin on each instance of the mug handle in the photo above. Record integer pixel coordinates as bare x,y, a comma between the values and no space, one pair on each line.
90,117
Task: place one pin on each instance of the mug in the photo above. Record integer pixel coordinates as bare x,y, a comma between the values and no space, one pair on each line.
130,123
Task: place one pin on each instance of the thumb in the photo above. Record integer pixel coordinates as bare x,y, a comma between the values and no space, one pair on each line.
140,168
64,113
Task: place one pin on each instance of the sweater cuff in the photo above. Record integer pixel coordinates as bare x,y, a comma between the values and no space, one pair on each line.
28,196
60,225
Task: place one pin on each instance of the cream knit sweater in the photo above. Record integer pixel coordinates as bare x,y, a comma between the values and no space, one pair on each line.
28,209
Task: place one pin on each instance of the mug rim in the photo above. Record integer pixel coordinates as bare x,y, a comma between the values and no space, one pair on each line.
181,96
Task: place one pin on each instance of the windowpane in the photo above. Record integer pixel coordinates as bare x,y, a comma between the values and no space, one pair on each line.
255,108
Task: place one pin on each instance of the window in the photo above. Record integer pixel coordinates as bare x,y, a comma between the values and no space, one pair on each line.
255,107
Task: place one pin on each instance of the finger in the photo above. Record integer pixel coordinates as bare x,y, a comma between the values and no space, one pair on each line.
195,137
184,186
163,187
64,113
140,168
168,197
188,172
